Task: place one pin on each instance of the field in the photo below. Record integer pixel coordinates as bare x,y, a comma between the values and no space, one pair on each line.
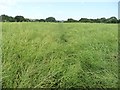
45,55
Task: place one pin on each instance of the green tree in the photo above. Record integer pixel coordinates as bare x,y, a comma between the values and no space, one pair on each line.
27,20
11,19
103,20
5,18
42,20
84,20
37,20
112,20
71,20
118,20
19,18
50,19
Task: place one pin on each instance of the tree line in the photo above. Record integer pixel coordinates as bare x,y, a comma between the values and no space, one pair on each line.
6,18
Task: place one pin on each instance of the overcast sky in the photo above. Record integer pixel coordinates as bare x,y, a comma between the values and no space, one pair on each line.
60,9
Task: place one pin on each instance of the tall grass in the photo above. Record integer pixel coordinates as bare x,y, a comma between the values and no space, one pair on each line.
45,55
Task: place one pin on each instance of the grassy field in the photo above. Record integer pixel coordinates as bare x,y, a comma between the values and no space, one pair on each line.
45,55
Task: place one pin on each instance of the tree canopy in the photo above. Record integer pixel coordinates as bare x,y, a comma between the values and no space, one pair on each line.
6,18
50,19
19,18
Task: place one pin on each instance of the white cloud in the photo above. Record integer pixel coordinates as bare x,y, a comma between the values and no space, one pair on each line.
6,4
69,0
11,2
72,0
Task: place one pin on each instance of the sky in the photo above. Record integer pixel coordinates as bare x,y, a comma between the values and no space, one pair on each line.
60,9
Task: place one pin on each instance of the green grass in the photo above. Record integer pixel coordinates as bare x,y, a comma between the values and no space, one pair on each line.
45,55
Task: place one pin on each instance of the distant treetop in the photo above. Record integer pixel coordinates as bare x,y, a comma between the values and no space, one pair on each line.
6,18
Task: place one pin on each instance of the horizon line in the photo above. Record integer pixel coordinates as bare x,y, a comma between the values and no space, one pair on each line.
61,19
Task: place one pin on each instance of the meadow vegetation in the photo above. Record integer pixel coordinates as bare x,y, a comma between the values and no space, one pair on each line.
45,55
